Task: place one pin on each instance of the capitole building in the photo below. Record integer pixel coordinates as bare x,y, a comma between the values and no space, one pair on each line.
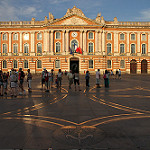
51,44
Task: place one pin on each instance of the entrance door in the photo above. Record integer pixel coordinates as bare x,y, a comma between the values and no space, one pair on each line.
74,64
133,66
144,66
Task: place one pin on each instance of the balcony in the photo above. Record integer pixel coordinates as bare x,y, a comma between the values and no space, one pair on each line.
15,54
4,54
26,54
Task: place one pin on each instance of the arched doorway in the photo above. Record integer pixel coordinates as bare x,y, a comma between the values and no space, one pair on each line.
74,64
133,66
144,66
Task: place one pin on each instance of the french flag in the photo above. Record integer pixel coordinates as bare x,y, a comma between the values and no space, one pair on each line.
77,49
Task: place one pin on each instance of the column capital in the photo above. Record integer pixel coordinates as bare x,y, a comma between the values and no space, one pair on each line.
52,31
84,31
67,31
81,31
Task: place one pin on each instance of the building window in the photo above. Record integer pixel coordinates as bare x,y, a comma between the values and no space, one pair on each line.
39,48
5,48
91,47
39,64
143,37
26,36
25,64
108,48
133,37
121,48
15,36
108,36
58,47
57,64
39,36
26,48
132,48
74,45
57,35
122,64
108,63
4,64
15,48
121,36
90,63
143,48
91,35
4,36
15,64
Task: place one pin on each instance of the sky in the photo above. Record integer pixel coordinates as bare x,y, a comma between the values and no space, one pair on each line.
124,10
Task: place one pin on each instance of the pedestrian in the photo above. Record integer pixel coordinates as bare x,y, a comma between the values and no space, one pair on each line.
116,73
59,78
52,78
56,81
21,80
112,74
87,77
119,74
106,79
5,82
29,80
77,80
13,81
47,81
1,83
43,77
70,78
98,78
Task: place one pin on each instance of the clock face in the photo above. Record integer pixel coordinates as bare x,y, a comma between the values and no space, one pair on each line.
74,34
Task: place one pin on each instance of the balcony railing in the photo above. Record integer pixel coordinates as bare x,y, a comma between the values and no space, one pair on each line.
4,54
26,54
15,54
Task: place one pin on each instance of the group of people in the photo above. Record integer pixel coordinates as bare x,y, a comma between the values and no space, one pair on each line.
16,80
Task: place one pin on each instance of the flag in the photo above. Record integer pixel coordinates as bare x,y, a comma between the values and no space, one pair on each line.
71,52
78,50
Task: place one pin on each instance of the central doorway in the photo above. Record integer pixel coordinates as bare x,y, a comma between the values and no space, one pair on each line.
74,64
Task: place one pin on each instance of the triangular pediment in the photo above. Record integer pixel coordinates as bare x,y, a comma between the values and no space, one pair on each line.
74,20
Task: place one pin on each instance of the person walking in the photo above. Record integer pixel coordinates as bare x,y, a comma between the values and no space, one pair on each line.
1,83
116,73
52,78
106,79
43,77
5,82
76,80
98,78
59,78
47,81
119,74
87,77
70,78
21,80
29,80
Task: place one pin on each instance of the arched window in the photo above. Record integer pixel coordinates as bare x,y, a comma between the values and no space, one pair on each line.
57,63
39,48
74,45
15,64
4,36
132,48
91,63
109,64
143,48
91,35
26,48
132,37
91,47
121,36
108,48
108,36
26,64
4,64
58,47
15,36
121,48
26,36
39,36
57,35
39,64
5,48
15,48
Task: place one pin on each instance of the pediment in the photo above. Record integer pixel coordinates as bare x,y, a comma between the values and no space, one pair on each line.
75,20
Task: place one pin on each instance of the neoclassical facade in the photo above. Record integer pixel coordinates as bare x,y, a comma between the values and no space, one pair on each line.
51,44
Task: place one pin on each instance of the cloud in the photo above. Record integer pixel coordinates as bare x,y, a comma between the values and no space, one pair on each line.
144,15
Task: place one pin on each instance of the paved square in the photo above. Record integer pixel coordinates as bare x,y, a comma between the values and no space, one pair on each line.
106,118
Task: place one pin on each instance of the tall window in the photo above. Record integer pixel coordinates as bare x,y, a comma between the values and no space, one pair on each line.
57,35
143,48
4,64
57,63
122,64
39,36
15,48
39,48
58,47
133,37
90,63
143,37
91,47
15,64
26,48
91,35
25,64
4,48
132,48
74,45
121,48
108,36
121,36
39,64
26,36
4,36
15,36
108,48
109,64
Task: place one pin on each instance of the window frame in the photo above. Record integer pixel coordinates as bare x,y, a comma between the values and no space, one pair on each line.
38,48
26,36
90,45
26,44
109,47
89,36
6,48
110,36
89,65
144,38
134,37
15,36
59,64
39,36
26,64
15,63
4,36
108,64
121,37
122,47
56,36
56,46
15,48
4,64
144,49
134,48
39,64
123,64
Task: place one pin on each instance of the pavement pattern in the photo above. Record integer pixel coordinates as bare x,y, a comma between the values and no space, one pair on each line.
114,118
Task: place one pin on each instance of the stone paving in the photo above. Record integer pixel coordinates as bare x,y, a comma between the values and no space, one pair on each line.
64,119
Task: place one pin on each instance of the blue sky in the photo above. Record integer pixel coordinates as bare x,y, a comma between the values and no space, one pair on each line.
124,10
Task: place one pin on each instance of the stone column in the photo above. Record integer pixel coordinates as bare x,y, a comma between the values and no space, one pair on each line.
103,42
48,42
128,45
85,42
96,41
67,41
52,41
81,39
116,51
32,42
63,41
10,42
21,47
100,41
138,44
45,41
